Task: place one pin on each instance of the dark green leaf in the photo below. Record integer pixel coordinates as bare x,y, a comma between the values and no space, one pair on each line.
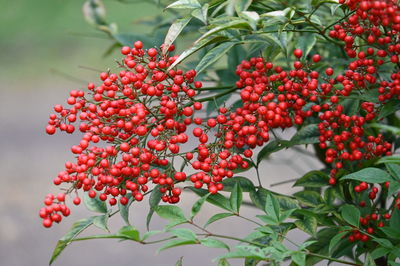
184,233
313,179
184,4
174,30
389,108
215,199
179,262
233,24
217,217
395,219
299,258
213,243
306,135
129,232
389,159
150,233
306,42
379,252
201,13
101,222
245,184
171,213
308,225
394,170
223,262
272,207
242,5
154,200
197,205
335,240
309,198
124,209
271,147
72,233
369,175
351,214
213,55
176,243
197,46
94,204
236,198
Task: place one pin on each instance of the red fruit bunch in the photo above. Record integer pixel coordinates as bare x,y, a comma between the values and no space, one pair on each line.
133,123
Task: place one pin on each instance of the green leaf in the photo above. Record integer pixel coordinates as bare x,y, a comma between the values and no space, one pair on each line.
179,262
389,108
379,252
236,198
394,170
351,214
242,5
184,4
271,147
184,233
215,104
259,199
394,187
176,243
77,228
171,213
392,129
272,207
197,205
233,24
124,209
129,232
223,262
369,175
215,199
150,233
173,32
306,135
154,200
308,225
213,55
299,258
306,42
369,261
213,243
389,159
313,179
217,217
383,242
201,13
197,46
391,232
101,222
245,184
335,240
395,219
309,198
94,204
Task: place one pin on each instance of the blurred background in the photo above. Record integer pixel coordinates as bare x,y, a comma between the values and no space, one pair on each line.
46,49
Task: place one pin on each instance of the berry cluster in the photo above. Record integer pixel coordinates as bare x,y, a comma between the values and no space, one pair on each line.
141,117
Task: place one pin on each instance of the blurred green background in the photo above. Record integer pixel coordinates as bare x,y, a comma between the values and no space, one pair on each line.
44,37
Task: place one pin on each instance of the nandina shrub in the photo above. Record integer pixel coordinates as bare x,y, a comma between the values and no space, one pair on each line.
329,70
